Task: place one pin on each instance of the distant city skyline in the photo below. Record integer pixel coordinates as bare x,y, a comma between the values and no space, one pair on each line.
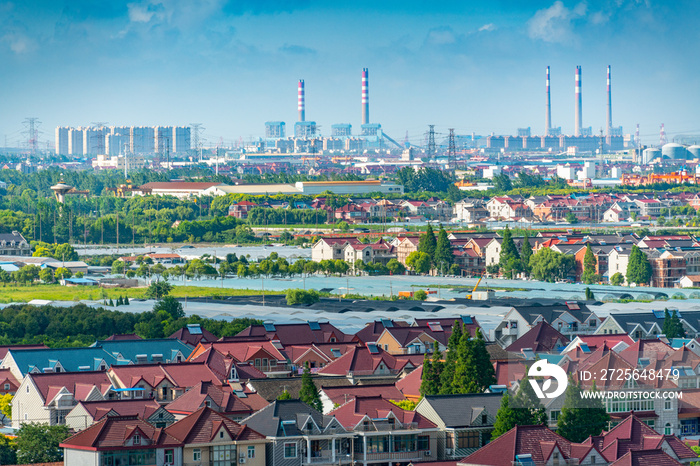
473,66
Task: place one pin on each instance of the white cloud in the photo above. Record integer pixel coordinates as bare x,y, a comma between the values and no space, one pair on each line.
487,27
18,43
139,13
555,24
441,36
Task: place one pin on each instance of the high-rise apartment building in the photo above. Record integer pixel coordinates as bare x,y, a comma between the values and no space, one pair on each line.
62,140
182,141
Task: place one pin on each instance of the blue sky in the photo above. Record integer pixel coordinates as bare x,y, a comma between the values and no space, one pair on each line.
232,65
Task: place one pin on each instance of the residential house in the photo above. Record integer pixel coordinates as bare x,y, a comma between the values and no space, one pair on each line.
330,248
465,421
645,325
122,440
618,258
414,340
333,396
48,398
140,351
542,338
351,213
230,400
469,323
406,246
8,382
470,211
240,209
649,207
194,334
162,382
86,413
689,281
299,435
262,355
295,334
621,211
570,318
14,244
385,433
373,330
225,366
371,360
24,361
208,438
409,384
667,269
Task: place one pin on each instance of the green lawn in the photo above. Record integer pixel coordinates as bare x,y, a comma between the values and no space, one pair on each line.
12,293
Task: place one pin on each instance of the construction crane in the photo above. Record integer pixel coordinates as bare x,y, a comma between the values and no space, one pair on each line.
469,296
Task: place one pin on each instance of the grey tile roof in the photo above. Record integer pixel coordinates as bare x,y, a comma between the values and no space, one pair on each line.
285,419
464,410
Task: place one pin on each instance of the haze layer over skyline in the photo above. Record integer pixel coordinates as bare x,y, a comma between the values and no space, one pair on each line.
475,66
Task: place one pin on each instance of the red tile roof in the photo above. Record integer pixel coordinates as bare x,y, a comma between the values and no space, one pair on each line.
179,185
356,410
114,431
646,458
540,338
80,384
538,441
185,336
221,364
183,375
341,395
409,385
594,341
204,424
360,361
141,408
222,397
295,334
373,330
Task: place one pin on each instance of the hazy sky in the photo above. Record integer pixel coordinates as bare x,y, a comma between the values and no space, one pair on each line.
232,65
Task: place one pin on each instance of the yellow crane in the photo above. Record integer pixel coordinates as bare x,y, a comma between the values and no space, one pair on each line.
469,296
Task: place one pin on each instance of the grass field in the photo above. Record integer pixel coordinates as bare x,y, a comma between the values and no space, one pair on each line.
10,293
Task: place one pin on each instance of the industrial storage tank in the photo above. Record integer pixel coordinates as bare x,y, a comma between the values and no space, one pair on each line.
674,151
694,151
650,154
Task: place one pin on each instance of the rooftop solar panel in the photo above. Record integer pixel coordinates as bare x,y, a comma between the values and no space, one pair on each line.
269,327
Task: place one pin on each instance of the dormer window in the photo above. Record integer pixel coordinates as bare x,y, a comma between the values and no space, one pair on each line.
221,434
136,439
207,404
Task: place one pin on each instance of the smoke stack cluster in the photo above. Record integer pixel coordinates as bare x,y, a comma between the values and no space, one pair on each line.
365,96
301,104
579,114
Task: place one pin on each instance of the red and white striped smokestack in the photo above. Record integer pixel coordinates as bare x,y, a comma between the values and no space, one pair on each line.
365,96
548,122
609,132
301,103
578,116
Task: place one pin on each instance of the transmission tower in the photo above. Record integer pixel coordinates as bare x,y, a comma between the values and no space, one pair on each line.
452,151
431,141
662,136
32,133
196,128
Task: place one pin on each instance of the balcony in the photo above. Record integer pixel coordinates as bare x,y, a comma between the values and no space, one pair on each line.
391,456
340,459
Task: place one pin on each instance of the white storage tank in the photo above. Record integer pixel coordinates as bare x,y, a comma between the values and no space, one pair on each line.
694,151
650,154
674,151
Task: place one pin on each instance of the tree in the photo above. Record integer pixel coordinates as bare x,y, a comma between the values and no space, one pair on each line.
581,418
38,443
395,267
298,296
525,255
158,289
432,371
589,267
171,306
406,405
8,450
62,273
509,260
6,405
118,267
638,267
46,275
672,327
419,261
505,418
285,395
448,369
444,258
420,295
528,407
502,182
427,243
308,393
617,279
589,295
548,265
5,277
571,217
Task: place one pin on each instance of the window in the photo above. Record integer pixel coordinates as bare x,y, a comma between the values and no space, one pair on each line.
7,386
251,451
650,422
468,440
386,347
290,450
591,323
207,403
484,419
196,454
424,442
554,416
667,405
667,429
221,434
27,388
136,439
593,459
169,456
513,324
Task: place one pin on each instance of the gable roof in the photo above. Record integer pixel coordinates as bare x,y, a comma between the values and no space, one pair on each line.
112,432
221,364
551,312
222,396
70,359
141,408
202,425
269,421
360,361
294,334
541,338
377,409
409,385
341,395
646,458
192,336
78,384
182,375
462,410
166,348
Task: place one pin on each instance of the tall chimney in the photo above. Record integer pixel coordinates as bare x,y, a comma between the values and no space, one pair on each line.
548,122
365,96
609,133
578,118
301,103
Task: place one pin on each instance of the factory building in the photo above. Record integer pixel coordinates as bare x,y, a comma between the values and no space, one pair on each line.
275,130
342,130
